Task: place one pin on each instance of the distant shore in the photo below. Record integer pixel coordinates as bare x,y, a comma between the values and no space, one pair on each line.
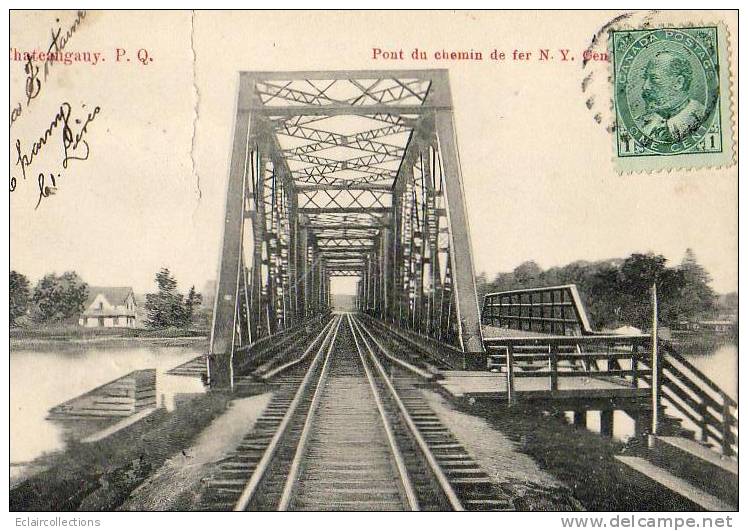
701,343
77,337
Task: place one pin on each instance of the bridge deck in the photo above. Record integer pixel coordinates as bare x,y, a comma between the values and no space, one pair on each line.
495,332
484,384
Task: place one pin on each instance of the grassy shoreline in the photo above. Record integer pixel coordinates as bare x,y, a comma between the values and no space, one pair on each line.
100,476
580,459
70,335
34,344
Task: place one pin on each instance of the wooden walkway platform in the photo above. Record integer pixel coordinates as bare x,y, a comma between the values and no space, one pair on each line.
121,397
573,389
194,367
496,333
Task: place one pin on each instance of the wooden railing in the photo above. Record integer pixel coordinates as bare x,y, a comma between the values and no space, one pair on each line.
566,346
626,360
555,310
695,396
557,357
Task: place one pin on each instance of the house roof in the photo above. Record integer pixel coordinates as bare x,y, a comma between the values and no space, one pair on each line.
115,295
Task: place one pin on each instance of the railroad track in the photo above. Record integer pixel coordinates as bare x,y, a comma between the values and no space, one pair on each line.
349,430
472,485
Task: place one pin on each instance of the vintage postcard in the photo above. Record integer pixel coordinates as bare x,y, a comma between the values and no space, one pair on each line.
374,261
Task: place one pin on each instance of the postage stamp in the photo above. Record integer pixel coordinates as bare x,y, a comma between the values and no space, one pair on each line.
672,98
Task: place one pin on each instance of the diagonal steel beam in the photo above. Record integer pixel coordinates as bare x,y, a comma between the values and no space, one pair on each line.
346,250
344,197
351,185
363,140
385,95
334,165
280,122
343,182
342,241
345,210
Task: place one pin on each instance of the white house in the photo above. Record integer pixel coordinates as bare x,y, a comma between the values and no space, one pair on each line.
109,307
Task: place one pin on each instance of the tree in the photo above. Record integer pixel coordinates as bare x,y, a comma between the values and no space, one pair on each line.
168,307
481,287
58,298
638,274
696,297
164,308
603,296
527,272
20,294
191,303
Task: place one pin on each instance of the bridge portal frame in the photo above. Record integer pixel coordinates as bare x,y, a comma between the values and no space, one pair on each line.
272,275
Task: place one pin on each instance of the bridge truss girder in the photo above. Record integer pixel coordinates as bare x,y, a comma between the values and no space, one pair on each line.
343,174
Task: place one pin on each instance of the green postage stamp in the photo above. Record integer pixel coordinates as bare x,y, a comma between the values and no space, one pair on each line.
671,91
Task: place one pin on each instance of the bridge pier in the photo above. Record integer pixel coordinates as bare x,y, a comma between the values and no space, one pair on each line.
642,422
606,422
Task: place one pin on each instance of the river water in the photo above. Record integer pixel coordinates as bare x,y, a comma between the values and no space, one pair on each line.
43,378
719,362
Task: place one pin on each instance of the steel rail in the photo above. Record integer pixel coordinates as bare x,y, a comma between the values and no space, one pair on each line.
293,473
267,457
441,478
408,488
420,372
291,363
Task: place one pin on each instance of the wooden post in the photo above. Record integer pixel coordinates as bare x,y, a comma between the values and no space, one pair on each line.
703,425
510,374
606,422
642,422
656,372
726,424
553,357
635,366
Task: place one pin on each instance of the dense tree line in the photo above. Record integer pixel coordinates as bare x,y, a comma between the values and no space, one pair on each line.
617,291
54,299
20,294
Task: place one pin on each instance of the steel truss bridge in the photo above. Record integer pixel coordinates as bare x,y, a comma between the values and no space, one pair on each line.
350,173
357,174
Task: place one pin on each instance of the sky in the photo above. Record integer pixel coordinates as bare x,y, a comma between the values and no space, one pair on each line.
537,168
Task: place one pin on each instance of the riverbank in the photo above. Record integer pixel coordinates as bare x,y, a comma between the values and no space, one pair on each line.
160,462
119,342
583,461
100,476
701,343
177,485
61,336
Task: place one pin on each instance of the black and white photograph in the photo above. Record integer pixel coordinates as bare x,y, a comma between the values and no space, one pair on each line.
372,260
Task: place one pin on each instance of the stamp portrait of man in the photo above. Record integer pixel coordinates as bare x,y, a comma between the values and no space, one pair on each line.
671,113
